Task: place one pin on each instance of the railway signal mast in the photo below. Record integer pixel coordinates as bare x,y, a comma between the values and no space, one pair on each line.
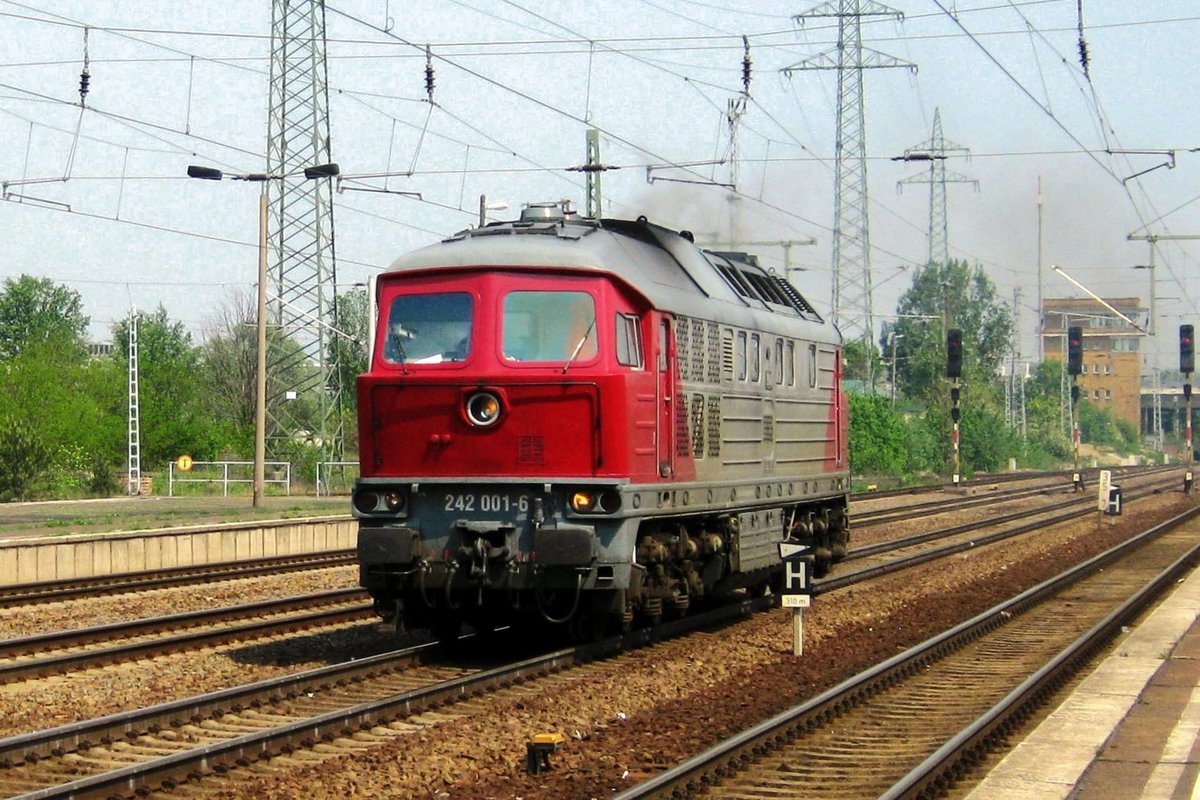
954,371
1187,365
1075,367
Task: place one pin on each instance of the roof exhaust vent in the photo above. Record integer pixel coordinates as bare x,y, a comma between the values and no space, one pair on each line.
551,211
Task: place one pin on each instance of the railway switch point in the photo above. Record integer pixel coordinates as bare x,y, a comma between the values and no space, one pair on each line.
538,750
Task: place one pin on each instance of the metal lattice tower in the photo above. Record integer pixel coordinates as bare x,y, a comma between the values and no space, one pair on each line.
592,174
852,309
134,477
304,393
936,150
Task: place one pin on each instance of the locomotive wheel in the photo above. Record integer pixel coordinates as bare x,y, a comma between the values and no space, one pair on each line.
822,562
623,620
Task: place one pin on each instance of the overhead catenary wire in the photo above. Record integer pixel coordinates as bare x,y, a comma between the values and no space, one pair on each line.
474,171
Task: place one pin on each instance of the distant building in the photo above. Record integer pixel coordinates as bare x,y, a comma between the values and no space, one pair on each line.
1112,359
100,349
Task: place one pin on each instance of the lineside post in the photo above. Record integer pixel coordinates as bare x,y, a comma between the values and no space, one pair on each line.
797,587
1187,365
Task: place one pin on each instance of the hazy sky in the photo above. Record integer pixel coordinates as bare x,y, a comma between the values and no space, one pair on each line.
516,86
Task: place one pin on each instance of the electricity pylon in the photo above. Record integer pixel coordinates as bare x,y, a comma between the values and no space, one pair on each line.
304,394
851,306
936,150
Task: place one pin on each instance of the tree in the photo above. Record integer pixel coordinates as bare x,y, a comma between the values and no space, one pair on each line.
37,311
861,360
174,409
349,352
944,296
878,442
229,359
24,457
1044,412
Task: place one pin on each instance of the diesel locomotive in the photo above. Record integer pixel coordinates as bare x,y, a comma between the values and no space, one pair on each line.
591,422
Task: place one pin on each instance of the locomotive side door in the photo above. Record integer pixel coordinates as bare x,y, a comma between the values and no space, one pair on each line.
665,435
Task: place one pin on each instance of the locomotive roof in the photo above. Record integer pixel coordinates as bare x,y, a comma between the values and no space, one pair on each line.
663,265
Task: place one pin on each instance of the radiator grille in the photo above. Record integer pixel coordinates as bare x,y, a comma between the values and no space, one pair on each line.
714,426
531,450
696,413
713,353
682,340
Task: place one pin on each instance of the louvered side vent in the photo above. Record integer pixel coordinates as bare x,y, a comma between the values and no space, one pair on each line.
795,298
714,427
683,436
768,429
713,353
531,450
727,355
682,327
697,350
696,414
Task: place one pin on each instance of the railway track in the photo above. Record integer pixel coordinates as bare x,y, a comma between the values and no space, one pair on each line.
914,724
868,518
354,706
62,651
1056,476
193,738
884,557
99,586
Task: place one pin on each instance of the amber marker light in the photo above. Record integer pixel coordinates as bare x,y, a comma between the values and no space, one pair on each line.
582,502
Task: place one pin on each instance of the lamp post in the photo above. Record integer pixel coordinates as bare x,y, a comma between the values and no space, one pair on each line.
260,371
485,207
894,337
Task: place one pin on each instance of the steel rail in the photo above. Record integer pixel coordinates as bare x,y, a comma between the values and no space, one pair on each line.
879,516
247,748
846,579
344,599
50,591
725,758
178,767
1005,477
114,727
933,772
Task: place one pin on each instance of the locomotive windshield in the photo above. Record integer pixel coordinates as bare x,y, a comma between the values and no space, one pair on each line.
429,328
549,326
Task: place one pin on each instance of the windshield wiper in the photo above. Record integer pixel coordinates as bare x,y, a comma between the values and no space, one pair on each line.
578,347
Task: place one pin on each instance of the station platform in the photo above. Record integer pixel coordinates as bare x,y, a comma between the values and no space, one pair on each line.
1129,729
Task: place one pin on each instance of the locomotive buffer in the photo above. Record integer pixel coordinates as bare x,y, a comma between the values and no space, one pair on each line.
797,587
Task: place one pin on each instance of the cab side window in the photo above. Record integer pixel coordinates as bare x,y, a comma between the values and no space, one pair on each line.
629,341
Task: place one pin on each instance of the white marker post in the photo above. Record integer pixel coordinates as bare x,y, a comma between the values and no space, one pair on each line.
1102,496
797,588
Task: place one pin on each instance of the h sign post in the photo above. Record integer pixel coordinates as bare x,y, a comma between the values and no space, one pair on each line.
797,587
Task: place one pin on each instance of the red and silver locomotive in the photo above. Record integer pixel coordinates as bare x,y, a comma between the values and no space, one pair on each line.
593,421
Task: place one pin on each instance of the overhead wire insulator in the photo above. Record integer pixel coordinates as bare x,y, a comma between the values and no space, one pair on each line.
429,82
746,65
1083,52
85,77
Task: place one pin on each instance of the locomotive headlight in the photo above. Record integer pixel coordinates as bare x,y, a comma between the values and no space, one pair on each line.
483,409
610,501
380,500
394,500
365,502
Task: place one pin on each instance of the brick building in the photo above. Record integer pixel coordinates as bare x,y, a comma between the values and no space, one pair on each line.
1112,360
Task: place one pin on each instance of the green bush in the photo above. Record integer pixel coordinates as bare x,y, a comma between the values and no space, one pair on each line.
24,459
